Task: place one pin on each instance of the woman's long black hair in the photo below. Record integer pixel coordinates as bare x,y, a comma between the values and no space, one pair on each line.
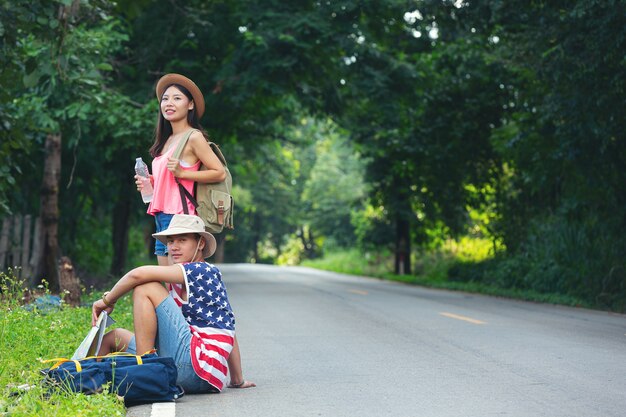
164,128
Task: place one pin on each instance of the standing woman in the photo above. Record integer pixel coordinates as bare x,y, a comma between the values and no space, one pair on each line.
181,107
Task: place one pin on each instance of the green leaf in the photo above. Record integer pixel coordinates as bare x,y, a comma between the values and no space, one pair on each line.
30,80
88,81
105,66
72,110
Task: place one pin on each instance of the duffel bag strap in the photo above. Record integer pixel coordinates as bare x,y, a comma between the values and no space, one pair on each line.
79,368
61,361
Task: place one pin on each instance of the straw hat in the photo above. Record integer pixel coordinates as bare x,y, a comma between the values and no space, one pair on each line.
187,223
169,79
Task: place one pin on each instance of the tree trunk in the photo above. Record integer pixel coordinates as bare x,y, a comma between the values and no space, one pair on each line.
26,251
16,252
404,213
256,238
4,241
403,247
308,242
36,252
69,282
149,241
121,224
47,266
218,258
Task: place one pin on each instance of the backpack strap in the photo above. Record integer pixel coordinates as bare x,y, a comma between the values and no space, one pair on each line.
182,143
214,147
184,194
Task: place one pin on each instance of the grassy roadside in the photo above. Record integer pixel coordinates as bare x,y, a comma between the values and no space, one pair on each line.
430,271
26,337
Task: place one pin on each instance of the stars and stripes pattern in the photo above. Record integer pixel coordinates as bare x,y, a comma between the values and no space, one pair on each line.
210,319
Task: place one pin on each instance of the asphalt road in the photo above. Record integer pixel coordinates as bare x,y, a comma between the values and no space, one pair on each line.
323,344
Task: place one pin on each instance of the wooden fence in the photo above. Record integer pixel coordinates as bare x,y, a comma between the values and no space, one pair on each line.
20,245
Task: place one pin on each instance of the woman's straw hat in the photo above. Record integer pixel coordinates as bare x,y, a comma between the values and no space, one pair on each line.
187,223
169,79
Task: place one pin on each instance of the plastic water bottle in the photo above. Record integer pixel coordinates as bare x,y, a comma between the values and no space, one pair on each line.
141,169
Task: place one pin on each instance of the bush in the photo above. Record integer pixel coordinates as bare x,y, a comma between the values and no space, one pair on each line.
582,259
372,228
354,262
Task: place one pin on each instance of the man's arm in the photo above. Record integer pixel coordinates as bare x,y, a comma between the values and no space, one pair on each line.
234,367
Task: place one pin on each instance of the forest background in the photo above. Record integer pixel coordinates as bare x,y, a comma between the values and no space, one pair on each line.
466,142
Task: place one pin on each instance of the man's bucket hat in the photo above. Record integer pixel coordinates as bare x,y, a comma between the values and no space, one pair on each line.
169,79
188,223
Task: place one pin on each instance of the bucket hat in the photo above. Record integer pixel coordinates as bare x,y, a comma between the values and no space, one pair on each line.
169,79
188,223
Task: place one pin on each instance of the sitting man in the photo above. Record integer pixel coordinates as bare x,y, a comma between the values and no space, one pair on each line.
190,321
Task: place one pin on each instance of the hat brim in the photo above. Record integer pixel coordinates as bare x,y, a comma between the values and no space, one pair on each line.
169,79
210,242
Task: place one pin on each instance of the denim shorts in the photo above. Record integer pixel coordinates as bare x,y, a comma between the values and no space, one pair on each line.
162,221
174,340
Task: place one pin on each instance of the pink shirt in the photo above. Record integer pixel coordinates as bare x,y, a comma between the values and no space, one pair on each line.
166,197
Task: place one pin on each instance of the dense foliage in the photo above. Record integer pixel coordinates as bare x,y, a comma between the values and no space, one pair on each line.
379,124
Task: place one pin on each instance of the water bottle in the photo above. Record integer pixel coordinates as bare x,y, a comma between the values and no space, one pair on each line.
141,169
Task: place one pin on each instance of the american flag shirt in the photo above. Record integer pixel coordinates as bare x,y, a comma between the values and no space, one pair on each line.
210,319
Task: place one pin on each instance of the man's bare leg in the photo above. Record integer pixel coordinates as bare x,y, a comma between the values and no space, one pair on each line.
146,298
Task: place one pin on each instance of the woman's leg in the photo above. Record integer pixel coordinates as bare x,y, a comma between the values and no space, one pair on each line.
116,340
146,298
162,221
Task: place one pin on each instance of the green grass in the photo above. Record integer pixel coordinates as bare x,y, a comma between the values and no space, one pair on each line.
351,261
27,337
430,269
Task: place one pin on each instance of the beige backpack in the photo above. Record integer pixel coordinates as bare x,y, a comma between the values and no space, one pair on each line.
213,202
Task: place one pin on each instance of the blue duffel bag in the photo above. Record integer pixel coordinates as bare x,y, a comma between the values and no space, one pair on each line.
138,379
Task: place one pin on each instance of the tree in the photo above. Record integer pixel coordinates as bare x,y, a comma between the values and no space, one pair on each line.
335,186
63,50
560,137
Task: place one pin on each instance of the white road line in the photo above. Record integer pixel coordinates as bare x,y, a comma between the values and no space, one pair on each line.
163,410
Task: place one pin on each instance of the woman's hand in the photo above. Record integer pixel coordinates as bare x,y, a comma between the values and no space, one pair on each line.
242,384
139,183
173,166
97,308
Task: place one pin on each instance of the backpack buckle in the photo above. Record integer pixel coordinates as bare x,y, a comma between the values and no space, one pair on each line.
220,212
